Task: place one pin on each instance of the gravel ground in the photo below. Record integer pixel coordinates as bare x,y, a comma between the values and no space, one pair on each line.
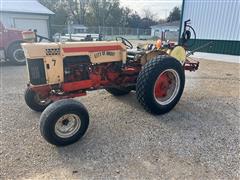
199,138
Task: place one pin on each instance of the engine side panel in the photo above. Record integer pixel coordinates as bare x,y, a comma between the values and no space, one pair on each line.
54,69
99,52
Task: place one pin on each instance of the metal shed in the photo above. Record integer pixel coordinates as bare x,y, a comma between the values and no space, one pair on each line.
24,15
216,21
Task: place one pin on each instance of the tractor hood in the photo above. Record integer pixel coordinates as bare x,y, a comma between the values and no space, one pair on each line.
40,50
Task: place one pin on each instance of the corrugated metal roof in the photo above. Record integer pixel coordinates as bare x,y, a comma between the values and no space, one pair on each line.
25,6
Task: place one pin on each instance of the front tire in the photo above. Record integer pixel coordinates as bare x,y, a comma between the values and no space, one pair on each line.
160,84
34,101
64,122
16,54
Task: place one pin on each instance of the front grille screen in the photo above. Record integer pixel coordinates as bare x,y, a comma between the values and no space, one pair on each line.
52,51
36,71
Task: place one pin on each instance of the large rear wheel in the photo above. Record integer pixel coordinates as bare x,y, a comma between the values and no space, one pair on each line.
160,84
16,54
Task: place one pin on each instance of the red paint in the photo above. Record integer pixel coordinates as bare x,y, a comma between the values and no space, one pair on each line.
43,91
162,86
112,76
100,76
8,36
70,95
96,79
77,85
131,70
191,65
92,49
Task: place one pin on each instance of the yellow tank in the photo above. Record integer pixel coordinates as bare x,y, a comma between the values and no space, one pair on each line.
179,53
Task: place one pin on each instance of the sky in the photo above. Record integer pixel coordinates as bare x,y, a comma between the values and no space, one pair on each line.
159,7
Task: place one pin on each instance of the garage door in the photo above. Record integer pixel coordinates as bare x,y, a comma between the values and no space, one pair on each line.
39,24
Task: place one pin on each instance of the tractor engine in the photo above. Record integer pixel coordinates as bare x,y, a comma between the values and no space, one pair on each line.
76,69
104,74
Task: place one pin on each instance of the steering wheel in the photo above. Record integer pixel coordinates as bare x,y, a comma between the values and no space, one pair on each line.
125,42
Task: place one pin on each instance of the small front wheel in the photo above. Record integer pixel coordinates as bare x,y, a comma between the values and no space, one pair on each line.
64,122
34,101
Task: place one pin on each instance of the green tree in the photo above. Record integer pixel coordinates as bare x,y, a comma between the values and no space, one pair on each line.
103,13
134,20
174,15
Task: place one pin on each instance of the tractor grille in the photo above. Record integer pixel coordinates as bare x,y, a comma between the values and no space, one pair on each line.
52,51
36,71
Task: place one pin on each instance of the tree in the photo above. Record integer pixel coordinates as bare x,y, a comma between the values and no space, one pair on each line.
50,4
77,10
148,14
148,19
59,20
174,15
97,13
104,13
134,20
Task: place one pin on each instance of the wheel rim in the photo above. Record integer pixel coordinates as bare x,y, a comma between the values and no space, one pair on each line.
166,87
18,55
67,125
41,102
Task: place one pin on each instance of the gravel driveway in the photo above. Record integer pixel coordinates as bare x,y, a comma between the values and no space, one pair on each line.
199,138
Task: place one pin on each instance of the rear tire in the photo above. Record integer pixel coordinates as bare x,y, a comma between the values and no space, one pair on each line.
160,84
33,100
64,122
15,54
119,91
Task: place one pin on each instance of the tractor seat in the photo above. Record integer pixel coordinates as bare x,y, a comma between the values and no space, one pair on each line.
131,53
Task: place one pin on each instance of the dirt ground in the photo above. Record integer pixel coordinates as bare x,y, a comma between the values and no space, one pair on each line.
199,138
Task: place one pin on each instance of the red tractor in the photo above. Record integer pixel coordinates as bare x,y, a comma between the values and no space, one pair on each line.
10,45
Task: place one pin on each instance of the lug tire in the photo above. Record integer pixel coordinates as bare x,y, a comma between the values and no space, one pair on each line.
119,91
147,79
57,110
30,99
12,49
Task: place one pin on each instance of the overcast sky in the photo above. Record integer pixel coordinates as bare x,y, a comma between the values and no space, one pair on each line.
159,7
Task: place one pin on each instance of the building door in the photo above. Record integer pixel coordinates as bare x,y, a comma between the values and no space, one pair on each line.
39,24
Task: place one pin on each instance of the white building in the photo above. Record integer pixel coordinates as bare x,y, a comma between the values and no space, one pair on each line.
156,30
25,15
216,21
166,31
77,28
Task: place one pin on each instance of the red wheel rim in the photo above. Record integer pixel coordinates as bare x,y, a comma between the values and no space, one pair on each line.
166,86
